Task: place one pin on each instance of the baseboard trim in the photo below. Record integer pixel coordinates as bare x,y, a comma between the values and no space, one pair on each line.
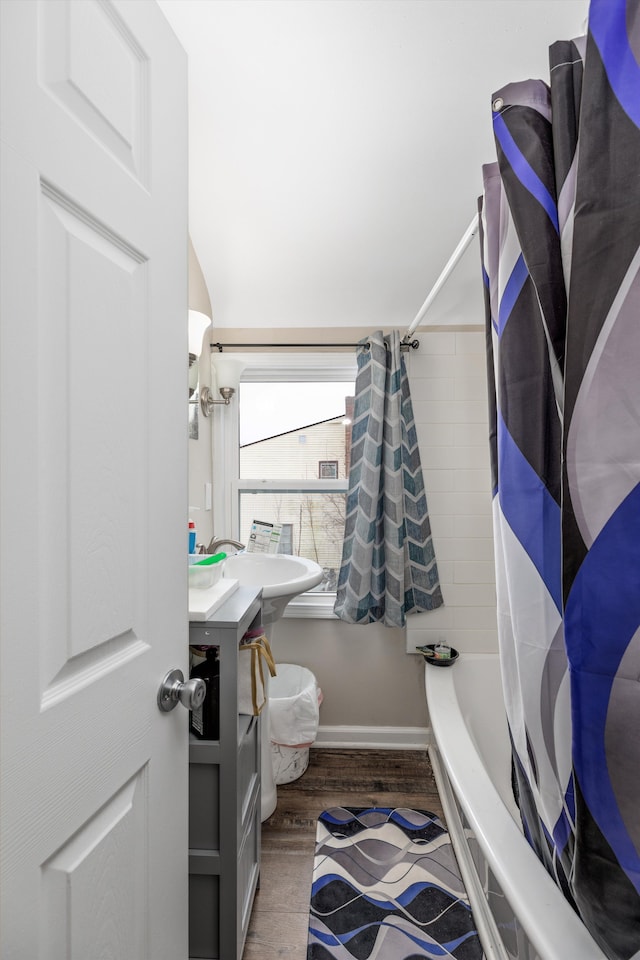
373,738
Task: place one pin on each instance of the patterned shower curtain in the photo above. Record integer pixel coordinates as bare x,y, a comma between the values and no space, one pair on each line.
388,563
561,261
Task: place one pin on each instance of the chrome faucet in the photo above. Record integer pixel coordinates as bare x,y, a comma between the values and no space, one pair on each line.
216,543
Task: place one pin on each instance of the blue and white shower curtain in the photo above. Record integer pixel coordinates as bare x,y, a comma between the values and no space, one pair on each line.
388,562
561,256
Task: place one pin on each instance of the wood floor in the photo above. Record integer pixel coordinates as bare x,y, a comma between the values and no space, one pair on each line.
349,778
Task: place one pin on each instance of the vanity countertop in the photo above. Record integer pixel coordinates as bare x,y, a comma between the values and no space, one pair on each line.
202,603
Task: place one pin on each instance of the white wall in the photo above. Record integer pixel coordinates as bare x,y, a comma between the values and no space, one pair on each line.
367,677
200,462
364,672
449,392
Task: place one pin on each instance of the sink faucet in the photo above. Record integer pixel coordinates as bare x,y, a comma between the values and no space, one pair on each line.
216,543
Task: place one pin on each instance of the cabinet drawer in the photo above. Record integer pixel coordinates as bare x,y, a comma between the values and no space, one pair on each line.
204,926
249,866
248,765
204,806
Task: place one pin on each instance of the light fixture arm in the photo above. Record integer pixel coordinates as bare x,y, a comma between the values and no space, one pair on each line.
207,402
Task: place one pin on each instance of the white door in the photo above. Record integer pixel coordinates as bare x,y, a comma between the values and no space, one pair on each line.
93,495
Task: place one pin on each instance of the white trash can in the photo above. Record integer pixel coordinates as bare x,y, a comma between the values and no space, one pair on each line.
294,712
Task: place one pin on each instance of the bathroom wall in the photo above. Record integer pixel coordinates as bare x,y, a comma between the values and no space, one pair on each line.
368,679
200,463
449,392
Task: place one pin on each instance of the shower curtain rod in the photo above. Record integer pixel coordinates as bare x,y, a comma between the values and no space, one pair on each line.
404,346
406,342
449,267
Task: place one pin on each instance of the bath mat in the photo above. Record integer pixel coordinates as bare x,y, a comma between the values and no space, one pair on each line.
386,886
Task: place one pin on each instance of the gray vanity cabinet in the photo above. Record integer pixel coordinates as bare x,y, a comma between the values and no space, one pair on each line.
224,797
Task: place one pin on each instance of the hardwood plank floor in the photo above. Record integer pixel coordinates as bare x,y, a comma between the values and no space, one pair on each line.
348,778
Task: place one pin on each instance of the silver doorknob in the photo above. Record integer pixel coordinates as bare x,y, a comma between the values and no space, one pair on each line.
174,689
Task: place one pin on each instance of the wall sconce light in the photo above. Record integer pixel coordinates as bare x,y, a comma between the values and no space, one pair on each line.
200,315
198,323
227,371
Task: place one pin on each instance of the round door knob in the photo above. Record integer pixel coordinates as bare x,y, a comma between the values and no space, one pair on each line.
174,689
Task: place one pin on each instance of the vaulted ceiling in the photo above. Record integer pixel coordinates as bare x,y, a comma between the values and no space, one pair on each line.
336,149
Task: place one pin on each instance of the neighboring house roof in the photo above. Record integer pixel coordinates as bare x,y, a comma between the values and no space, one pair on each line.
306,426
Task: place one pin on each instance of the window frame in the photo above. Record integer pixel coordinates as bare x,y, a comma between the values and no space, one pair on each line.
227,485
323,464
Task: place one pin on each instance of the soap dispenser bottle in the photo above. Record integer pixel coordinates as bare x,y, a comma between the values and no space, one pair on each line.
204,722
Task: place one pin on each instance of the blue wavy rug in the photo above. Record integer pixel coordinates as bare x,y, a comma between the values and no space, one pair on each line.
386,886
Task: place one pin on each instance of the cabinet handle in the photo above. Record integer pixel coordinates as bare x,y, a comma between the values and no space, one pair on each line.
173,689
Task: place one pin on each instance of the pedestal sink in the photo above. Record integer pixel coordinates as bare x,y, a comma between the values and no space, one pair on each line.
282,577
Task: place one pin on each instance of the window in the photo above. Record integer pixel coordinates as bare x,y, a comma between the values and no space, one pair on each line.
286,538
328,469
284,429
292,461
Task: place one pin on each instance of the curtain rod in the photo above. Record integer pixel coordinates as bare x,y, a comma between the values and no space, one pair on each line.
405,345
448,269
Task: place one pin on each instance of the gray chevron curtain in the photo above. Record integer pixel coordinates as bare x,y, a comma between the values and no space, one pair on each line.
561,254
388,562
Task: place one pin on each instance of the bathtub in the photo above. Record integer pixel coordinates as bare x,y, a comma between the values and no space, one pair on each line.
520,913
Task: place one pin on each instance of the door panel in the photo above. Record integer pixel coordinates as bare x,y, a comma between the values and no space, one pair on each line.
90,876
93,483
92,63
92,506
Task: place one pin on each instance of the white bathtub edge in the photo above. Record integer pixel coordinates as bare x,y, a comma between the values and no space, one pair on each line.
513,862
483,918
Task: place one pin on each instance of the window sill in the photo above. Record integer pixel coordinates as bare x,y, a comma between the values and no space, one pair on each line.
318,606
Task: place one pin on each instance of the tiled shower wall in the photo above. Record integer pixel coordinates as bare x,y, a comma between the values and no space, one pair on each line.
448,380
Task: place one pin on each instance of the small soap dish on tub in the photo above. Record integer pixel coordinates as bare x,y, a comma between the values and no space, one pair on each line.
439,654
